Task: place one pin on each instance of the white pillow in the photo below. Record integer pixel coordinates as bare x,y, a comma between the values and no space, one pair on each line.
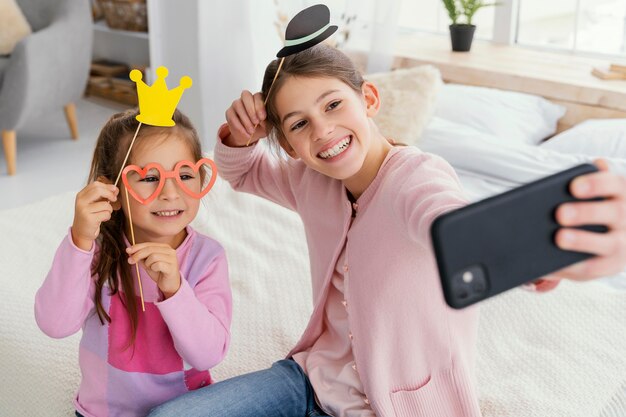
486,164
519,117
408,99
599,138
13,26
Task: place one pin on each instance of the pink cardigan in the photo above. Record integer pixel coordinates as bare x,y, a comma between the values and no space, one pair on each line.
414,354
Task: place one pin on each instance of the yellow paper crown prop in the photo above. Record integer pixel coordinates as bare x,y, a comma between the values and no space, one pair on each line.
156,103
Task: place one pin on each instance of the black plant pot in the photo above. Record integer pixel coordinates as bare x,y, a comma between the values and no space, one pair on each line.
461,36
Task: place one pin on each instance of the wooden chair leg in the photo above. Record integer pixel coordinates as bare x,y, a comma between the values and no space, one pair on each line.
70,115
10,149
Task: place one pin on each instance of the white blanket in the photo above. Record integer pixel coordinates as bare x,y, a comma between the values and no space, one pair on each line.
560,354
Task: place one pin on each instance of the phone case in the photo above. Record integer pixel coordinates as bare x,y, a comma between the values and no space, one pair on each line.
504,241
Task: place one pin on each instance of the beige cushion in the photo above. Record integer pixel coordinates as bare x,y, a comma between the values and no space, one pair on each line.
13,26
408,101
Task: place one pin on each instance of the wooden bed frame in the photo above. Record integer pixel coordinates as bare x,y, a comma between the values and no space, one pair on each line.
562,78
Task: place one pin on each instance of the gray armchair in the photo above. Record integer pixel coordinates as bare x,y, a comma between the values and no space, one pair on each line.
47,70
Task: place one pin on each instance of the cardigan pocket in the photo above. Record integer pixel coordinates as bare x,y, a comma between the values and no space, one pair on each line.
437,397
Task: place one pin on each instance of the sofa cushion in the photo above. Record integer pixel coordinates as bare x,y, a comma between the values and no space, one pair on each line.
408,99
13,26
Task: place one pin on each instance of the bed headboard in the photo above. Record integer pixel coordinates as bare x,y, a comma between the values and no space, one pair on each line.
564,79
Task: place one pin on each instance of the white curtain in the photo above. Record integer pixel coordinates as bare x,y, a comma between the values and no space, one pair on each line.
384,22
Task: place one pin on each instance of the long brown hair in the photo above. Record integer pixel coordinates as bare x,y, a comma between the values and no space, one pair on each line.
108,156
316,62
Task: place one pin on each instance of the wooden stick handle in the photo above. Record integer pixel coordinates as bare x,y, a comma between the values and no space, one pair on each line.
132,239
280,65
126,158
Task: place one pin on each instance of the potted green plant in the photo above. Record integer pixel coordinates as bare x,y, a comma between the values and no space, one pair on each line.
462,34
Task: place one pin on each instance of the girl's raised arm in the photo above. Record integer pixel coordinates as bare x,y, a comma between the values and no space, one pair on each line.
246,120
254,169
428,190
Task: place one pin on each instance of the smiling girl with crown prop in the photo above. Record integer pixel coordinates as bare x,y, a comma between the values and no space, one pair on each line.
131,362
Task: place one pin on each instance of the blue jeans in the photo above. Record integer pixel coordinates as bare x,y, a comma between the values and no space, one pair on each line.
280,391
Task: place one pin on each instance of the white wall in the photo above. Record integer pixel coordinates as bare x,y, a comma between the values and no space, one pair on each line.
235,46
174,44
222,45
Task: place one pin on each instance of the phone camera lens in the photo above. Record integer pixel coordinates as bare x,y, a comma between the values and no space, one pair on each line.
462,293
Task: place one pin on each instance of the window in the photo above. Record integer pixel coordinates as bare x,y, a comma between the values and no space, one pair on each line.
602,27
428,16
596,26
431,16
586,26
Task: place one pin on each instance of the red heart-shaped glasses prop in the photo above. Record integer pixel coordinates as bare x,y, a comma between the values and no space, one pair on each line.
164,175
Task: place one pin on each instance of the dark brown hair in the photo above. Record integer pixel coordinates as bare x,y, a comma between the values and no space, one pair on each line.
111,148
316,62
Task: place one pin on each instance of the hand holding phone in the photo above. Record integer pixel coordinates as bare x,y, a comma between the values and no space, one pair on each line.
504,241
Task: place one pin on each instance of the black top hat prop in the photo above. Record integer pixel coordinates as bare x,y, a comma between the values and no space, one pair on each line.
306,29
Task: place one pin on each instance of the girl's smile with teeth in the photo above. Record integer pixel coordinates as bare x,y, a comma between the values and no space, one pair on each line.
169,213
337,149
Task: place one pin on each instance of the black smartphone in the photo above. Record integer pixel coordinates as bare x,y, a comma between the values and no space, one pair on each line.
504,241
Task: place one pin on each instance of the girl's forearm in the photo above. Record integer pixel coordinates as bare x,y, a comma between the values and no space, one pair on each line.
199,318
